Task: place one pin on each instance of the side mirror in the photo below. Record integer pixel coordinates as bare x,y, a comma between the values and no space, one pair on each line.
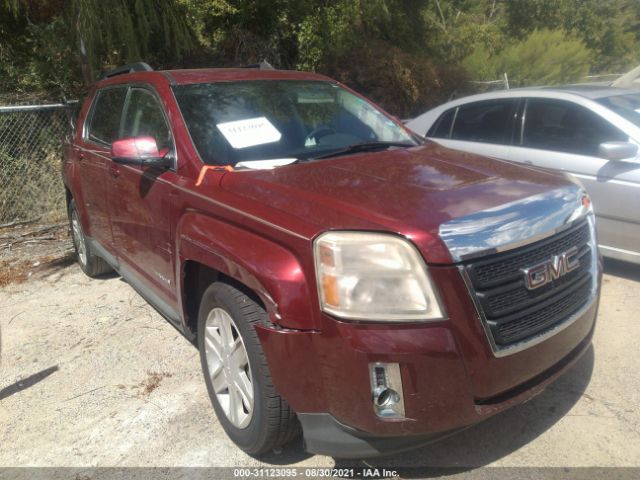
618,150
141,151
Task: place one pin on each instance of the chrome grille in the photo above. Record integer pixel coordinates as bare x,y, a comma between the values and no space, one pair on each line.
495,271
512,313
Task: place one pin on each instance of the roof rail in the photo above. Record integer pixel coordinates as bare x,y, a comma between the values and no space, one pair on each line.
130,68
263,65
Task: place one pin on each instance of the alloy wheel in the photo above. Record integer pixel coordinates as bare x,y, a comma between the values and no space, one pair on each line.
228,367
78,237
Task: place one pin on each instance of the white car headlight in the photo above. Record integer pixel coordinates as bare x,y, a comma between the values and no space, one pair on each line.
373,276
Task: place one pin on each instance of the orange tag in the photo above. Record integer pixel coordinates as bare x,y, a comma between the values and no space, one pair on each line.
206,168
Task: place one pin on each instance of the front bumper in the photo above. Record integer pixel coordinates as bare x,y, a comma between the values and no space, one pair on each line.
450,377
324,435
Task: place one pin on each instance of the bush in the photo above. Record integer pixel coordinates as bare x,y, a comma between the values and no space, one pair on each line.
403,84
544,57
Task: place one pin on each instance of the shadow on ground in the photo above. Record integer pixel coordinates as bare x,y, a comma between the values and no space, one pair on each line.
482,444
627,270
26,382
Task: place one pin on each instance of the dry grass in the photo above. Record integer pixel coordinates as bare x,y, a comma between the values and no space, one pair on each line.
18,272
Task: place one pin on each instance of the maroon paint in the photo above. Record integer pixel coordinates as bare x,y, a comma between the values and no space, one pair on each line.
258,227
136,147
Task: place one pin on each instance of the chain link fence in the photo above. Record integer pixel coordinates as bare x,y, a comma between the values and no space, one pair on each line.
30,155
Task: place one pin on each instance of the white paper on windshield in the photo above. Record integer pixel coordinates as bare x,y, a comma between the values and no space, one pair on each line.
265,164
249,132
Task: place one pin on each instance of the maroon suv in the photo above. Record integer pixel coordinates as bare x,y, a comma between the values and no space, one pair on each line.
340,276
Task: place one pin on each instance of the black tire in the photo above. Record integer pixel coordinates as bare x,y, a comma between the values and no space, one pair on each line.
273,423
90,263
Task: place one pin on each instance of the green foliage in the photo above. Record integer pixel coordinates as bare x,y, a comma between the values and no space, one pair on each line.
120,31
402,83
455,28
609,28
544,57
40,40
407,54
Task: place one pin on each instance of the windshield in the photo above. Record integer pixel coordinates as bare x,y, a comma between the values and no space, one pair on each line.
627,106
245,121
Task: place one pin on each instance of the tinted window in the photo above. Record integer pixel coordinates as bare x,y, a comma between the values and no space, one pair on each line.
566,127
442,128
487,122
231,122
105,120
144,117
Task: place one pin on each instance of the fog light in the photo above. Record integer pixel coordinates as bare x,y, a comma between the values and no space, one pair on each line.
386,389
387,397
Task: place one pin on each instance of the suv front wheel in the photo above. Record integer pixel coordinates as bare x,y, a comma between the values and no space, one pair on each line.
248,407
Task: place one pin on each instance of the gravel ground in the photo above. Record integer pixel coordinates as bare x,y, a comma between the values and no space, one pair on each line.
90,375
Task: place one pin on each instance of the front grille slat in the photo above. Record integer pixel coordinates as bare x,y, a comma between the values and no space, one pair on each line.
503,267
515,296
533,320
514,313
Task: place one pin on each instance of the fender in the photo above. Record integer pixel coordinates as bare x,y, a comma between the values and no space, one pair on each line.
71,180
271,271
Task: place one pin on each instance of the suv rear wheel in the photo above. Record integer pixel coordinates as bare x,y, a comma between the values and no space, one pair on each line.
248,407
89,262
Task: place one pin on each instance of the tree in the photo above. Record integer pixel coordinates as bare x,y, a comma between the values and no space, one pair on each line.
453,29
609,28
41,39
413,49
544,57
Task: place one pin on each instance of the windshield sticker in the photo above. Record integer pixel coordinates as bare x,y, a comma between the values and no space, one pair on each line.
249,132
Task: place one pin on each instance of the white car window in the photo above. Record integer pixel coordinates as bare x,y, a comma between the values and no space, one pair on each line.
442,127
562,126
485,122
627,106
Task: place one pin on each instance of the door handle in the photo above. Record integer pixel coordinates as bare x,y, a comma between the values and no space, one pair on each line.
114,171
80,155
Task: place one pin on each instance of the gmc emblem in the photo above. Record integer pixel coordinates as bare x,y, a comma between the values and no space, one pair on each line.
546,272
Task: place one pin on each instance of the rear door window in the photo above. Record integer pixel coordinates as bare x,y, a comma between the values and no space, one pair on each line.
105,120
486,122
562,126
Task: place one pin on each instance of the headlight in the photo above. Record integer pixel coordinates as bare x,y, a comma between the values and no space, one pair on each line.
373,276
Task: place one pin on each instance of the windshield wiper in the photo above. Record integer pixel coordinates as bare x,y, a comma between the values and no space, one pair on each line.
363,147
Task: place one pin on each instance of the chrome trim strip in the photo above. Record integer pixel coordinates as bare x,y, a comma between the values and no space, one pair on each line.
498,351
514,224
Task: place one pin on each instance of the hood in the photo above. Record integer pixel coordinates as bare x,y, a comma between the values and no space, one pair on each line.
412,192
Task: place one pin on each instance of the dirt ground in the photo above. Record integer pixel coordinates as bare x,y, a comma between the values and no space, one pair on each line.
27,248
90,375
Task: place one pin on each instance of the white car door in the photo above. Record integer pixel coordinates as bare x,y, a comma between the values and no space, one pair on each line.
480,127
561,135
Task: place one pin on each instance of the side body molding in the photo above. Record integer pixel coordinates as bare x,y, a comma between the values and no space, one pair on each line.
267,268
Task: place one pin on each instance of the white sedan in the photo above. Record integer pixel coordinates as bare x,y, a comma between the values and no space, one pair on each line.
591,132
